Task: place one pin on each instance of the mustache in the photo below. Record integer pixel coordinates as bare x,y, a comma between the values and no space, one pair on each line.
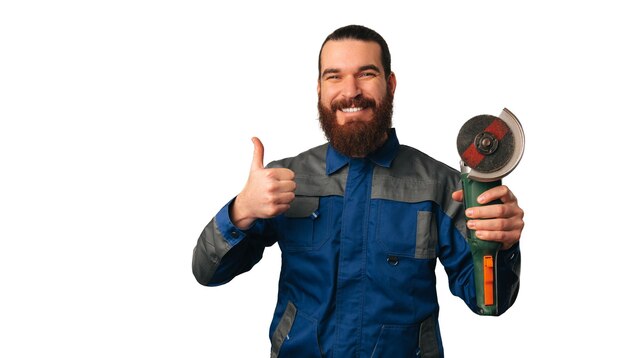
359,101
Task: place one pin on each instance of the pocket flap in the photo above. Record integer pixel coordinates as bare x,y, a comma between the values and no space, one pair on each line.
303,206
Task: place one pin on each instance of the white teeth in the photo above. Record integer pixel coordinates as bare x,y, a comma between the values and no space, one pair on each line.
351,110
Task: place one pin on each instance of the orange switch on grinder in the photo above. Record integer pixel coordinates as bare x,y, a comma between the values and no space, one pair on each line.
488,279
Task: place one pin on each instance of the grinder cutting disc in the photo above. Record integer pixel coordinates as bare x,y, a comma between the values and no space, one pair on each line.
491,146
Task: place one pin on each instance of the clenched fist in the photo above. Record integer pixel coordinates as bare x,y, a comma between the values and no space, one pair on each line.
267,193
497,222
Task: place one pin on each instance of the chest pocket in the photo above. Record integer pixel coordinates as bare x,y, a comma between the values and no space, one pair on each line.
305,226
407,229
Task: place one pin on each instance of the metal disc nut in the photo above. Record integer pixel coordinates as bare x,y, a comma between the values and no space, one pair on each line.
486,143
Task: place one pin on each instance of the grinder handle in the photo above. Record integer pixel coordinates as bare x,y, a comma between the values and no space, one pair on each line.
484,253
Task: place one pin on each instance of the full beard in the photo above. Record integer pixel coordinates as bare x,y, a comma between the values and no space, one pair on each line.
357,138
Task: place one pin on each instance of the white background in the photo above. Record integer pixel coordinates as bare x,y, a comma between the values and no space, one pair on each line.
126,125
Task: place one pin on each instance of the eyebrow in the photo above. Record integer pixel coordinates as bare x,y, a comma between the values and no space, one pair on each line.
330,70
369,67
361,69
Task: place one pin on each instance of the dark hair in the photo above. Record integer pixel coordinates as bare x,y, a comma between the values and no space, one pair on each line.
362,33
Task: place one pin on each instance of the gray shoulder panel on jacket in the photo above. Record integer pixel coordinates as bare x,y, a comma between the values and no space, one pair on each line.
414,177
310,170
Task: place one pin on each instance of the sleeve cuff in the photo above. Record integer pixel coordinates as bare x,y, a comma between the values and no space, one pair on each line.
232,234
510,255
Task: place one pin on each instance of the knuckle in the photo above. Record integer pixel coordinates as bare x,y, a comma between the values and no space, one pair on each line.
284,174
271,186
268,199
270,173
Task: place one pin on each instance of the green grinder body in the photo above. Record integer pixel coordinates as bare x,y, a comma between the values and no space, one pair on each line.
484,253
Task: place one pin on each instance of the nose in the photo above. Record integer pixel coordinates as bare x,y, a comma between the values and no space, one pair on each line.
350,87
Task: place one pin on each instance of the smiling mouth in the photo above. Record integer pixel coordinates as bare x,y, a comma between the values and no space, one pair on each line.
352,109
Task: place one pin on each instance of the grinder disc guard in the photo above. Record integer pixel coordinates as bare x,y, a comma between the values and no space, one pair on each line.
491,146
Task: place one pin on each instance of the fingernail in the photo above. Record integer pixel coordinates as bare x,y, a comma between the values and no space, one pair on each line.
469,212
471,224
481,199
478,234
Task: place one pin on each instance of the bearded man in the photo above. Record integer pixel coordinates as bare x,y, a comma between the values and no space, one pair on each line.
361,222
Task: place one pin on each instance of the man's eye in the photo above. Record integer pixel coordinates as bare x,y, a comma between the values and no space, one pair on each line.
368,74
332,77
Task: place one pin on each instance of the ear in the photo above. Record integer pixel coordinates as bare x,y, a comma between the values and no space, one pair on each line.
319,88
391,83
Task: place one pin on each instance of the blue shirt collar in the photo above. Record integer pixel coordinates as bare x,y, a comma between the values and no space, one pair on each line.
382,156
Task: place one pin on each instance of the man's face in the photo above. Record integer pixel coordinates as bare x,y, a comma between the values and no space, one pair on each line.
355,98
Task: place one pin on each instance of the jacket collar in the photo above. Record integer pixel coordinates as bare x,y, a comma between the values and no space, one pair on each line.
382,156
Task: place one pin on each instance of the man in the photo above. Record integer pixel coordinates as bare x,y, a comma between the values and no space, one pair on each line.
360,222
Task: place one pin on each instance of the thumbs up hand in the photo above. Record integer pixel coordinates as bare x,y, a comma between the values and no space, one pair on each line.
267,193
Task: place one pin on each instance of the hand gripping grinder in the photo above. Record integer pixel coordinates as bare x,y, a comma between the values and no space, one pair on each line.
490,148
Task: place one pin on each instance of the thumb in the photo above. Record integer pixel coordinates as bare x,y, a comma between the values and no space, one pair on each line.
257,157
457,195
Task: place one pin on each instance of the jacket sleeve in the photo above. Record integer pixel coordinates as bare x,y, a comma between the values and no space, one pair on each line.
455,255
223,251
509,267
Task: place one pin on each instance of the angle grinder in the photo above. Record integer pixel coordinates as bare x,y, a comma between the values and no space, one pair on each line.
490,148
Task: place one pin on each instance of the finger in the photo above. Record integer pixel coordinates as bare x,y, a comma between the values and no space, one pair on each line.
457,195
286,186
280,186
511,224
284,198
257,157
281,174
500,192
492,211
507,238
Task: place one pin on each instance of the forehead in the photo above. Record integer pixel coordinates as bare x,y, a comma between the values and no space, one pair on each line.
349,53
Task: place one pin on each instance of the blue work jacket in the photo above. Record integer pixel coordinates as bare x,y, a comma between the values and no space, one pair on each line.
359,247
